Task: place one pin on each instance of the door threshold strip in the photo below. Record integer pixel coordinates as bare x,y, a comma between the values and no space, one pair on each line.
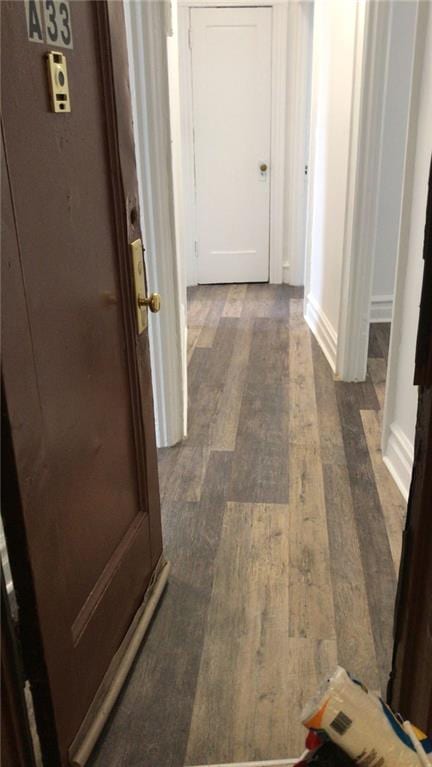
260,763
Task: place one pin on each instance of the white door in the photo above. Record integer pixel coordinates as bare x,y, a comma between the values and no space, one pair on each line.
231,71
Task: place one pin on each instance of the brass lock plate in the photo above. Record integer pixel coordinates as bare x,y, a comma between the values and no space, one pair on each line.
139,283
58,82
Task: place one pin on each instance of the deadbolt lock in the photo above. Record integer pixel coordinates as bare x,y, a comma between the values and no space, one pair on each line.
142,301
58,82
263,167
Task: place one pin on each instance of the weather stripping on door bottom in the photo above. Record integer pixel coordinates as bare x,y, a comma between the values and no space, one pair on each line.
114,678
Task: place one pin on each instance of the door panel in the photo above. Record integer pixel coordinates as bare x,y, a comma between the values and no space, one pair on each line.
76,374
231,68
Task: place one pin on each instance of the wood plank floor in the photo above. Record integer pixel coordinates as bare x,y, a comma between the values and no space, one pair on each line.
284,531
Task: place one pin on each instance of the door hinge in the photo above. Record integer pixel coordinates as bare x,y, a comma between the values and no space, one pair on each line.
196,248
190,38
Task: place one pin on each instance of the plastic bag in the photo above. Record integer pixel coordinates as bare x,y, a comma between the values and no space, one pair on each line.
362,725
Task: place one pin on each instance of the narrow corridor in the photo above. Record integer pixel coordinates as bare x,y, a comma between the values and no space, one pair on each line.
283,527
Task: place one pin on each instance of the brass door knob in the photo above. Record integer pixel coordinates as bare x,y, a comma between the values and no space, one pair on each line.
152,301
263,167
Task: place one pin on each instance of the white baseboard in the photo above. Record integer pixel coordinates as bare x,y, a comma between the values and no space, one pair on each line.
398,456
286,273
322,329
381,308
290,278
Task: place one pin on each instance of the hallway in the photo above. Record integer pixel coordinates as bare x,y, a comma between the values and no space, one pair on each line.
283,528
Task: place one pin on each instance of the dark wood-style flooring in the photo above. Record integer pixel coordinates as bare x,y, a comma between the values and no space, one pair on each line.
283,527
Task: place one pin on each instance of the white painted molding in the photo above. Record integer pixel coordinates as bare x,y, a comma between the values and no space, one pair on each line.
322,329
176,152
234,3
278,131
398,456
372,35
299,60
381,308
145,28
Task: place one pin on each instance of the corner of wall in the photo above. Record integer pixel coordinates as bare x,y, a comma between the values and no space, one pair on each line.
322,329
398,456
400,398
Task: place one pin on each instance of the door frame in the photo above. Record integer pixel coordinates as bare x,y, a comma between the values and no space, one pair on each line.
31,645
362,205
410,682
146,23
278,130
398,452
346,347
168,268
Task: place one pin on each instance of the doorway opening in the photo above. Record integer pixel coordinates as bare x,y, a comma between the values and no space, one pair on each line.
280,518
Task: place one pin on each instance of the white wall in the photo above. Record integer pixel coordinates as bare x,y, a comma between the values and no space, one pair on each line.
361,77
393,141
334,62
176,153
297,33
401,395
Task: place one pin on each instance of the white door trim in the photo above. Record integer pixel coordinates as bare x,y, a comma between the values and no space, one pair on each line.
278,131
398,452
299,72
146,30
232,3
363,195
265,763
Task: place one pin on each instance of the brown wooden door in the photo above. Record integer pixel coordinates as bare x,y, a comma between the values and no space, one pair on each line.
76,373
